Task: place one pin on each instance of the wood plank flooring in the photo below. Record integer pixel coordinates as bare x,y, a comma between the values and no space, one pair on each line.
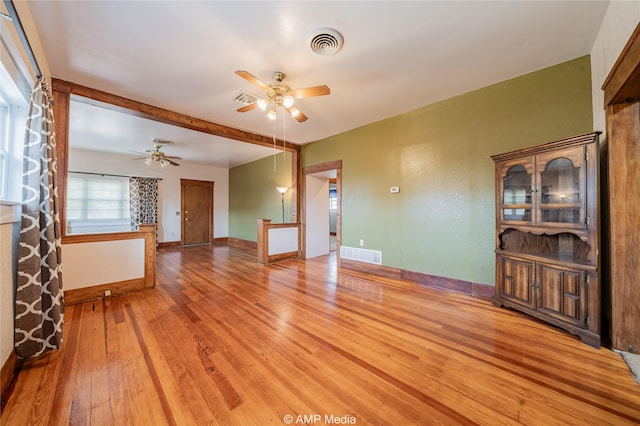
223,340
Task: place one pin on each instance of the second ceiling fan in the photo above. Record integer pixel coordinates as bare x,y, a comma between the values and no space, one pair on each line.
280,94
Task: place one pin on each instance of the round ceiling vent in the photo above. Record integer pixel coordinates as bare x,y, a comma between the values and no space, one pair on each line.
325,41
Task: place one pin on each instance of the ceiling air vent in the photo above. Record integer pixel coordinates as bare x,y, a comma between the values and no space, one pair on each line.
325,41
246,98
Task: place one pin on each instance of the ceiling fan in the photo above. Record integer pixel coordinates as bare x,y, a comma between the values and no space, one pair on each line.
280,94
157,155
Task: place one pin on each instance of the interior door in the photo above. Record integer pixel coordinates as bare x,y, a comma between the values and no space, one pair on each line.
197,211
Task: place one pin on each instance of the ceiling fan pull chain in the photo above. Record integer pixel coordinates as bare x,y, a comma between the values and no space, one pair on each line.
274,146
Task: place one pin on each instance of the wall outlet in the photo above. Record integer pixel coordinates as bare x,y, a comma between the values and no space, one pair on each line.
107,293
361,243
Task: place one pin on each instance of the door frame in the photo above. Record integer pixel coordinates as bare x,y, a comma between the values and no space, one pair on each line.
622,104
318,168
190,182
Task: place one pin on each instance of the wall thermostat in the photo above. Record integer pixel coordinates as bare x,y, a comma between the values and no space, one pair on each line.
395,189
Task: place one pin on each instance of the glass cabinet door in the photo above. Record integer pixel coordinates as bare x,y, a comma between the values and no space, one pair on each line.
516,194
561,189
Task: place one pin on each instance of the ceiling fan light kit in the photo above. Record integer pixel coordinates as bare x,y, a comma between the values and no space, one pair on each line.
279,94
325,41
155,155
294,111
287,101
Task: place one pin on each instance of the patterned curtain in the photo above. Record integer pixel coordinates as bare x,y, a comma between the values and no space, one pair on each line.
39,302
143,196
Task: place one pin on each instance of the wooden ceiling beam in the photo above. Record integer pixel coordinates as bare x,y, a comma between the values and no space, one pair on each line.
140,109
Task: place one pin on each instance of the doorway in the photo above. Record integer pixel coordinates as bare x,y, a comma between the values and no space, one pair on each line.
333,211
196,205
316,232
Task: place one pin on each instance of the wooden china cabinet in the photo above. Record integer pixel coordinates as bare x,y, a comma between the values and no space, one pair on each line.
547,246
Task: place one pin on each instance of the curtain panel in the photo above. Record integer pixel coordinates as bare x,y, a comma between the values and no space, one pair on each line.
143,199
39,301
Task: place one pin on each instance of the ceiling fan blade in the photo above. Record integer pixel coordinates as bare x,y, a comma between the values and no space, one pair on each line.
253,80
248,107
172,157
308,92
173,163
140,158
299,115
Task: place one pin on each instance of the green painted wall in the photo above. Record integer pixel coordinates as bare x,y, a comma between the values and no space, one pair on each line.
443,220
253,195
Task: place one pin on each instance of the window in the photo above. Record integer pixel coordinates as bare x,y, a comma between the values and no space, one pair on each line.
13,117
97,203
4,147
333,199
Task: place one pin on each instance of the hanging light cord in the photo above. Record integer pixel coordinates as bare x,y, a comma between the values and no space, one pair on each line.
284,136
274,144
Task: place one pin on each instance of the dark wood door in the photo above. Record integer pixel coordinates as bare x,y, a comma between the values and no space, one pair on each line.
197,211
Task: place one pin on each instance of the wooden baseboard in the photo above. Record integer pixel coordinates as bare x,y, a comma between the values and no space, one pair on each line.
484,291
370,268
80,295
8,374
435,281
221,241
283,256
242,244
169,244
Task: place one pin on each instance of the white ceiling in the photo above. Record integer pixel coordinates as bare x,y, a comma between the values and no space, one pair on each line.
397,56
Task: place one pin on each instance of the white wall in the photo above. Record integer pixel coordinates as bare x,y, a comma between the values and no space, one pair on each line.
168,188
91,264
618,24
282,240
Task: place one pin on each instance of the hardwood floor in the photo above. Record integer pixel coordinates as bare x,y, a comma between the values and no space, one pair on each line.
222,339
